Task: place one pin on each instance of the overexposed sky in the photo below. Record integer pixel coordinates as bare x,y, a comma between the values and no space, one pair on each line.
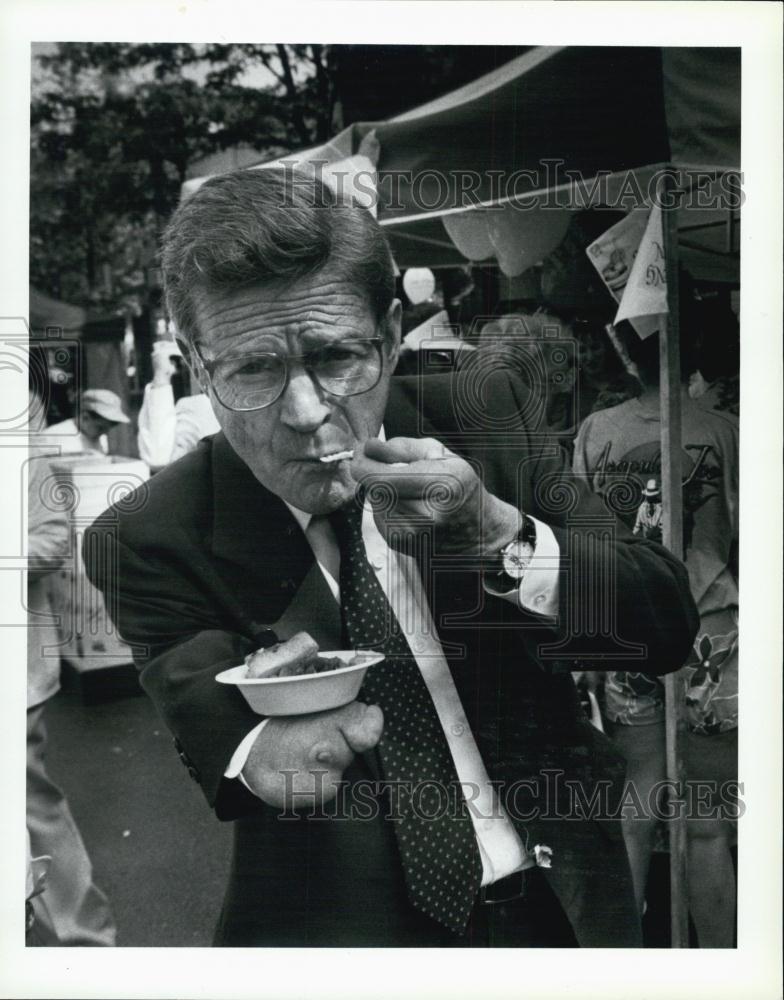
256,76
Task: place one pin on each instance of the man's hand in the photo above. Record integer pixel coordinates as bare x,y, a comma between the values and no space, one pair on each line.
298,761
413,483
162,367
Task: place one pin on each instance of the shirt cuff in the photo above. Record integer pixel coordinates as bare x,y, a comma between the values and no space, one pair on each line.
538,591
240,755
159,398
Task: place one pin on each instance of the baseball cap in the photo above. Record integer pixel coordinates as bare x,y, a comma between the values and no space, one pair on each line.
105,403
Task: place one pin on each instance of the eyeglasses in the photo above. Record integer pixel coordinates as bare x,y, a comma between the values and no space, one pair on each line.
254,381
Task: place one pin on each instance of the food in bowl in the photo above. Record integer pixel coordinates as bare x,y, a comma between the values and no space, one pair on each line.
297,655
316,689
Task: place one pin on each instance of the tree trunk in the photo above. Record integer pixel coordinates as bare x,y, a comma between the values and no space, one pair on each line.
89,258
324,116
159,203
291,89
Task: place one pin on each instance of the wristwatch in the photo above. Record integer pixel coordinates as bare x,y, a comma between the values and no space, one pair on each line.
514,558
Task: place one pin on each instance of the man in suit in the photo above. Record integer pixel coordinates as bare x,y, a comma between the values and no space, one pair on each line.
415,815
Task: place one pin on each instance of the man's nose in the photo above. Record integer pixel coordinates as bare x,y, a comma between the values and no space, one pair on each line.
303,405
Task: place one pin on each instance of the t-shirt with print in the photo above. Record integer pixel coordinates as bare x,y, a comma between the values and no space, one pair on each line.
619,450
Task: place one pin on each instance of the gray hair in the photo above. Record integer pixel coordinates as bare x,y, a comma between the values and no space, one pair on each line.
274,224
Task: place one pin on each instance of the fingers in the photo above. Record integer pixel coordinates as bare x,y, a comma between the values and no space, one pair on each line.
403,449
299,761
353,729
410,465
361,726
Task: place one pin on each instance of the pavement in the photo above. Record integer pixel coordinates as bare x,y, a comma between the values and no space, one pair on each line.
158,852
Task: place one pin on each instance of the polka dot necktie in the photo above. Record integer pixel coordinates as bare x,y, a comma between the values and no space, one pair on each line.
440,855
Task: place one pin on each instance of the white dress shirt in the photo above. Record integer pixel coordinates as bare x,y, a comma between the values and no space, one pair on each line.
500,847
67,437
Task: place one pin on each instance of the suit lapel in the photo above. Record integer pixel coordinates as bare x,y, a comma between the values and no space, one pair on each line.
313,610
257,540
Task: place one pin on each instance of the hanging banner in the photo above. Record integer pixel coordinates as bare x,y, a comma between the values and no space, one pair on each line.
645,294
614,255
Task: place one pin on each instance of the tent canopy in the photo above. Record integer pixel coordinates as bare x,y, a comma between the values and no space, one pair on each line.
47,313
49,317
583,110
451,174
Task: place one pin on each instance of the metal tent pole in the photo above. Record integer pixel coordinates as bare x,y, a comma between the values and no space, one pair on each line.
670,403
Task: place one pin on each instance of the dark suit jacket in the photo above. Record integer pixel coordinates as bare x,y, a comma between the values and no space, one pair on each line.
207,558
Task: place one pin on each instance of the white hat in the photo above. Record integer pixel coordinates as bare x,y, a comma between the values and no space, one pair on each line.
106,404
651,489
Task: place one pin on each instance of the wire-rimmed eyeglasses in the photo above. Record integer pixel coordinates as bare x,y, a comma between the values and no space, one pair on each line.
254,381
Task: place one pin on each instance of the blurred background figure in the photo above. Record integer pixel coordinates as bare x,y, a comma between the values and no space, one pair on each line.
649,514
619,450
99,410
70,910
540,349
715,381
169,429
38,933
431,344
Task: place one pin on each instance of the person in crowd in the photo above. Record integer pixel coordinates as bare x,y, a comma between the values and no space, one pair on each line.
715,381
541,350
649,513
602,378
566,358
618,451
70,909
168,429
378,513
99,410
430,343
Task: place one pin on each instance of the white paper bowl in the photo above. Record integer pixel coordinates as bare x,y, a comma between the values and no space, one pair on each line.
304,693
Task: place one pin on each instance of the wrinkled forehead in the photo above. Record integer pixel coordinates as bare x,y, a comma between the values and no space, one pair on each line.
322,306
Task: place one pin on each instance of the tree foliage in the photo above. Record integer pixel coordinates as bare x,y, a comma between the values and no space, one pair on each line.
115,128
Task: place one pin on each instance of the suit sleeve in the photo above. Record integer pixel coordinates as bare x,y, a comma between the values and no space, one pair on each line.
624,601
180,642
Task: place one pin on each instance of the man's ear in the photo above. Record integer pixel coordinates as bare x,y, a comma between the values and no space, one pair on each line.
393,325
185,350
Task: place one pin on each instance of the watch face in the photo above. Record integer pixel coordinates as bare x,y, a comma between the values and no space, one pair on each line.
516,557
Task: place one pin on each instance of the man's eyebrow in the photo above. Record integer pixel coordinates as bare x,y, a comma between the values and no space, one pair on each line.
328,337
